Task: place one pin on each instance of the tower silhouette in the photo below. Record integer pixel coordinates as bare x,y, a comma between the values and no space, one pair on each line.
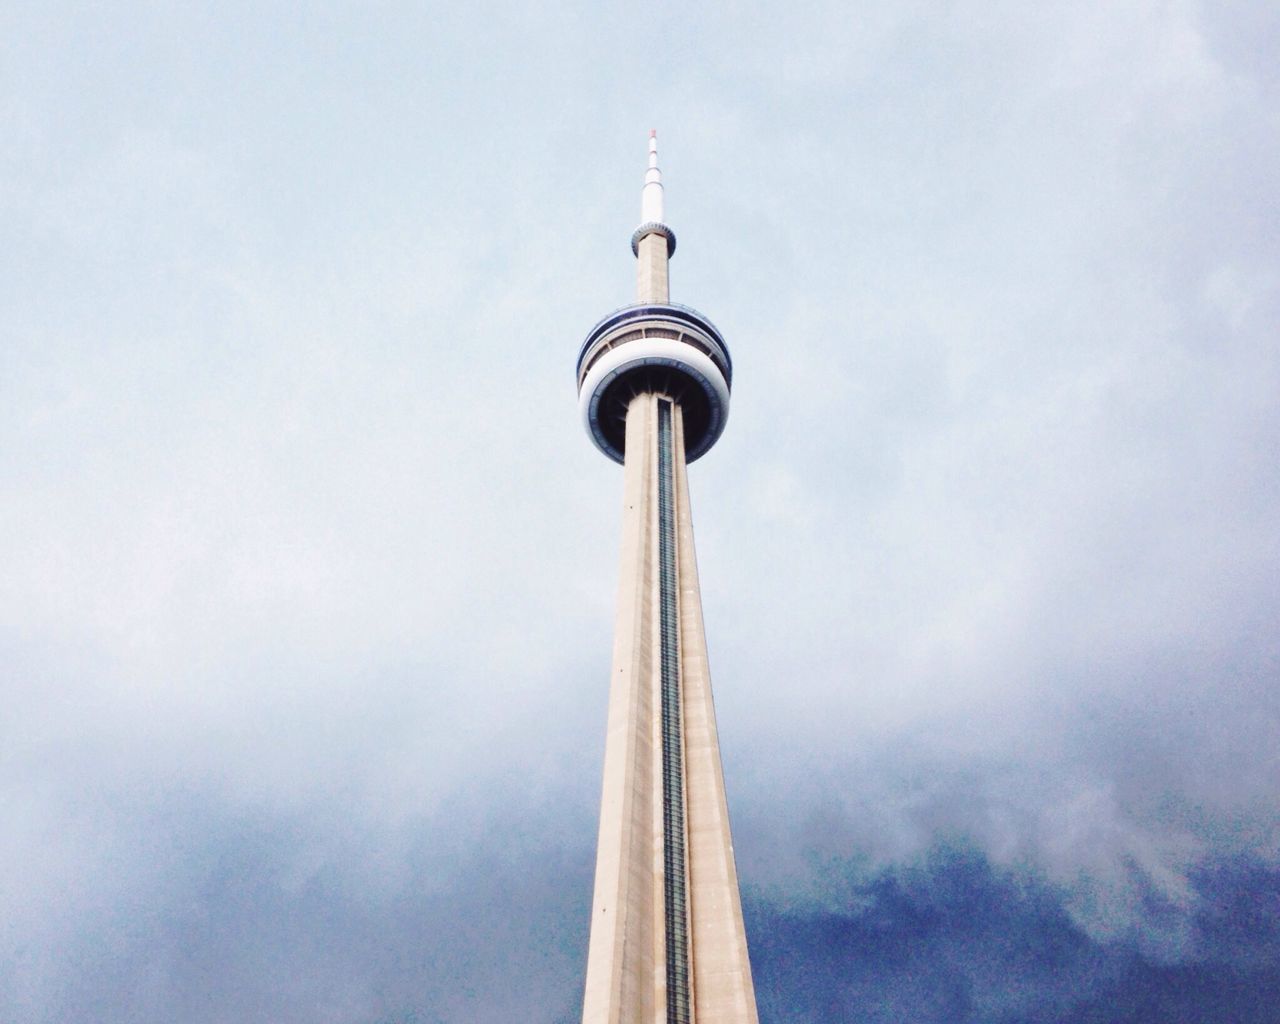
667,938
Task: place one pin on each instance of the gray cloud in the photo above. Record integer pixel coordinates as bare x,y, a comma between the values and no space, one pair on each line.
309,571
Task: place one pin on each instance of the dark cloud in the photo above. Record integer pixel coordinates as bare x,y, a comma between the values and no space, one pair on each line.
954,940
249,917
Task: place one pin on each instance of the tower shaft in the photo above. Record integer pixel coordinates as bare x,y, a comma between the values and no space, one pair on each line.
668,944
652,281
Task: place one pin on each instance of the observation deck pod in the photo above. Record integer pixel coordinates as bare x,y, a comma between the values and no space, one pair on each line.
656,347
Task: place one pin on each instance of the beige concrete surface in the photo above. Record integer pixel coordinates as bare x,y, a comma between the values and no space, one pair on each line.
626,967
652,269
723,992
620,956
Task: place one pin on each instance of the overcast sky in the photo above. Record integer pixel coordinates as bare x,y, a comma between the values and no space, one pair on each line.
307,566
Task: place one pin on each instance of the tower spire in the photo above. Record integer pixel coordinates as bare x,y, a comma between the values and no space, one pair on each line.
653,242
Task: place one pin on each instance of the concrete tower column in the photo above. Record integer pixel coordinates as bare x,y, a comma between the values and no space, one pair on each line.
652,282
621,954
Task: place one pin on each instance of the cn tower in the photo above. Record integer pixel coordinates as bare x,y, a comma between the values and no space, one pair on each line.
667,938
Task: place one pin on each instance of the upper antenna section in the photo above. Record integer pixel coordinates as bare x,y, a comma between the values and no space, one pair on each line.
651,196
651,213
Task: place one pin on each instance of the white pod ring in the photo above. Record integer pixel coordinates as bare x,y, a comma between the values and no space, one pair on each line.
657,347
660,365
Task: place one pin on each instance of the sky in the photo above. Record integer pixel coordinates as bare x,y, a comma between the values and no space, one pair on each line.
309,567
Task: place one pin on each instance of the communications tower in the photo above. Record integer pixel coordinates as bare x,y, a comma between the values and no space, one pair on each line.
667,940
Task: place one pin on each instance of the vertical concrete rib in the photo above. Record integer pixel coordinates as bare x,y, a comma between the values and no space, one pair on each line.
674,866
620,959
721,982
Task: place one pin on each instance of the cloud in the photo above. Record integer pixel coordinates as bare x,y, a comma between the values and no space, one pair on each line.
209,910
309,571
951,938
